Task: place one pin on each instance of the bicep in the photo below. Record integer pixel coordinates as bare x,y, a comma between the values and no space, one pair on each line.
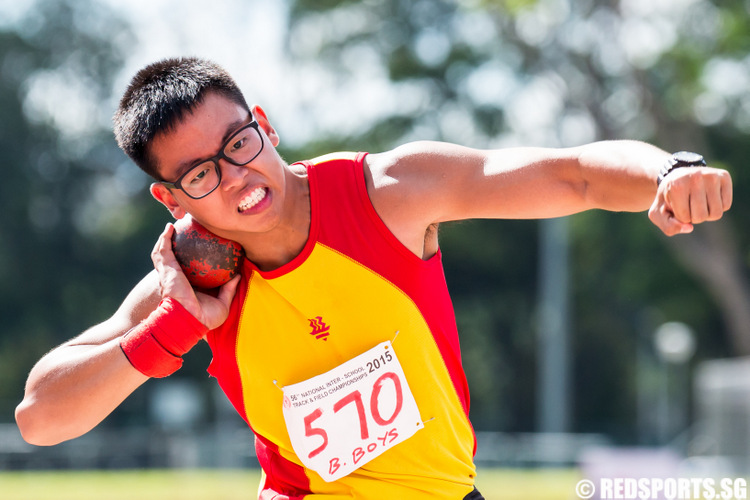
441,182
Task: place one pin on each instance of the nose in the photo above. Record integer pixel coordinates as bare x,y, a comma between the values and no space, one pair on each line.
231,175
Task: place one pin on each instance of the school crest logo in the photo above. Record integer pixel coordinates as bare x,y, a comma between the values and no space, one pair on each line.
319,328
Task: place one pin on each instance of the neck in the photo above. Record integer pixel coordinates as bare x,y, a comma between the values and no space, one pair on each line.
276,250
279,246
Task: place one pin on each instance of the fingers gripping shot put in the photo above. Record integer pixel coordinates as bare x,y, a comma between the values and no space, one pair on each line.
342,403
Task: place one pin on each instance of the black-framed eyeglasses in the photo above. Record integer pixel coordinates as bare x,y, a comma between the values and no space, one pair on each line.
203,178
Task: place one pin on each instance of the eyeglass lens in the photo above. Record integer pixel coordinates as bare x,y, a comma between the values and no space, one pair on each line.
240,149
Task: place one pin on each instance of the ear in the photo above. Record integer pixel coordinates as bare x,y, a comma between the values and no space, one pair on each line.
262,119
163,195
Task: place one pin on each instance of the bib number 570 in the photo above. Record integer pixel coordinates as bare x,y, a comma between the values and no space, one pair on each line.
342,419
356,399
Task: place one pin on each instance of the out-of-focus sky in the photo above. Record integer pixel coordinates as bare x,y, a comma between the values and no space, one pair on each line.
248,38
304,99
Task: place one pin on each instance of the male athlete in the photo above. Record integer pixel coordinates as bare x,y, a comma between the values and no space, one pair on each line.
337,343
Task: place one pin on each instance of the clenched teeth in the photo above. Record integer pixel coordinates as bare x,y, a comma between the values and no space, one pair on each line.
252,199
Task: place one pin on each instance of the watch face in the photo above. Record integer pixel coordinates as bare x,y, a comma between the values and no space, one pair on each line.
688,158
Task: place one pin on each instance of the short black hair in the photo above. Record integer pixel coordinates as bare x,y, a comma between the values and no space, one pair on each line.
158,98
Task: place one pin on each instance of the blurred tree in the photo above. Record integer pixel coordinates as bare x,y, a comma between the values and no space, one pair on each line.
72,243
494,73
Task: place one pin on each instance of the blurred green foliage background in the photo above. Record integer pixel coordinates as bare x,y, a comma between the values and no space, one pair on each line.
78,223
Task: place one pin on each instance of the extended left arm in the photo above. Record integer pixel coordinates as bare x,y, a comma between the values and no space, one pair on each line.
442,182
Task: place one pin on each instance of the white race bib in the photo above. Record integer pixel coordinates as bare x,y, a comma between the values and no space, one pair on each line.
340,420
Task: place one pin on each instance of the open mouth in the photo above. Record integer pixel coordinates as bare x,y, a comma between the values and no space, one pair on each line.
255,197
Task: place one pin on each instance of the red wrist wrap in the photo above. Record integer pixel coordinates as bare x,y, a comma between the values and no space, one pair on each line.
154,347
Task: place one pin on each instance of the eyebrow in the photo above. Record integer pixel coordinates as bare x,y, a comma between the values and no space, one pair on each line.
184,166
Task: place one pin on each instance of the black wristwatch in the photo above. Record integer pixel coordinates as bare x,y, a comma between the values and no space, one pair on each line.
678,160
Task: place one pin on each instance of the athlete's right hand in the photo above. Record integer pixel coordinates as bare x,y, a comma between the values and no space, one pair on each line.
210,310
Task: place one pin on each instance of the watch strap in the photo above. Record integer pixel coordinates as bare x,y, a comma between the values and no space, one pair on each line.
679,160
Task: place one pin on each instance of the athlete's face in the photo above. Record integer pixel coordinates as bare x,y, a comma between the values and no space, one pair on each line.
249,198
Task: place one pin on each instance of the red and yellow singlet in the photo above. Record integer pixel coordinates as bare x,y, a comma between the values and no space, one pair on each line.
352,287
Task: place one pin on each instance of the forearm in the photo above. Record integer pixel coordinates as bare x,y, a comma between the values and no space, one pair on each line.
72,389
620,175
